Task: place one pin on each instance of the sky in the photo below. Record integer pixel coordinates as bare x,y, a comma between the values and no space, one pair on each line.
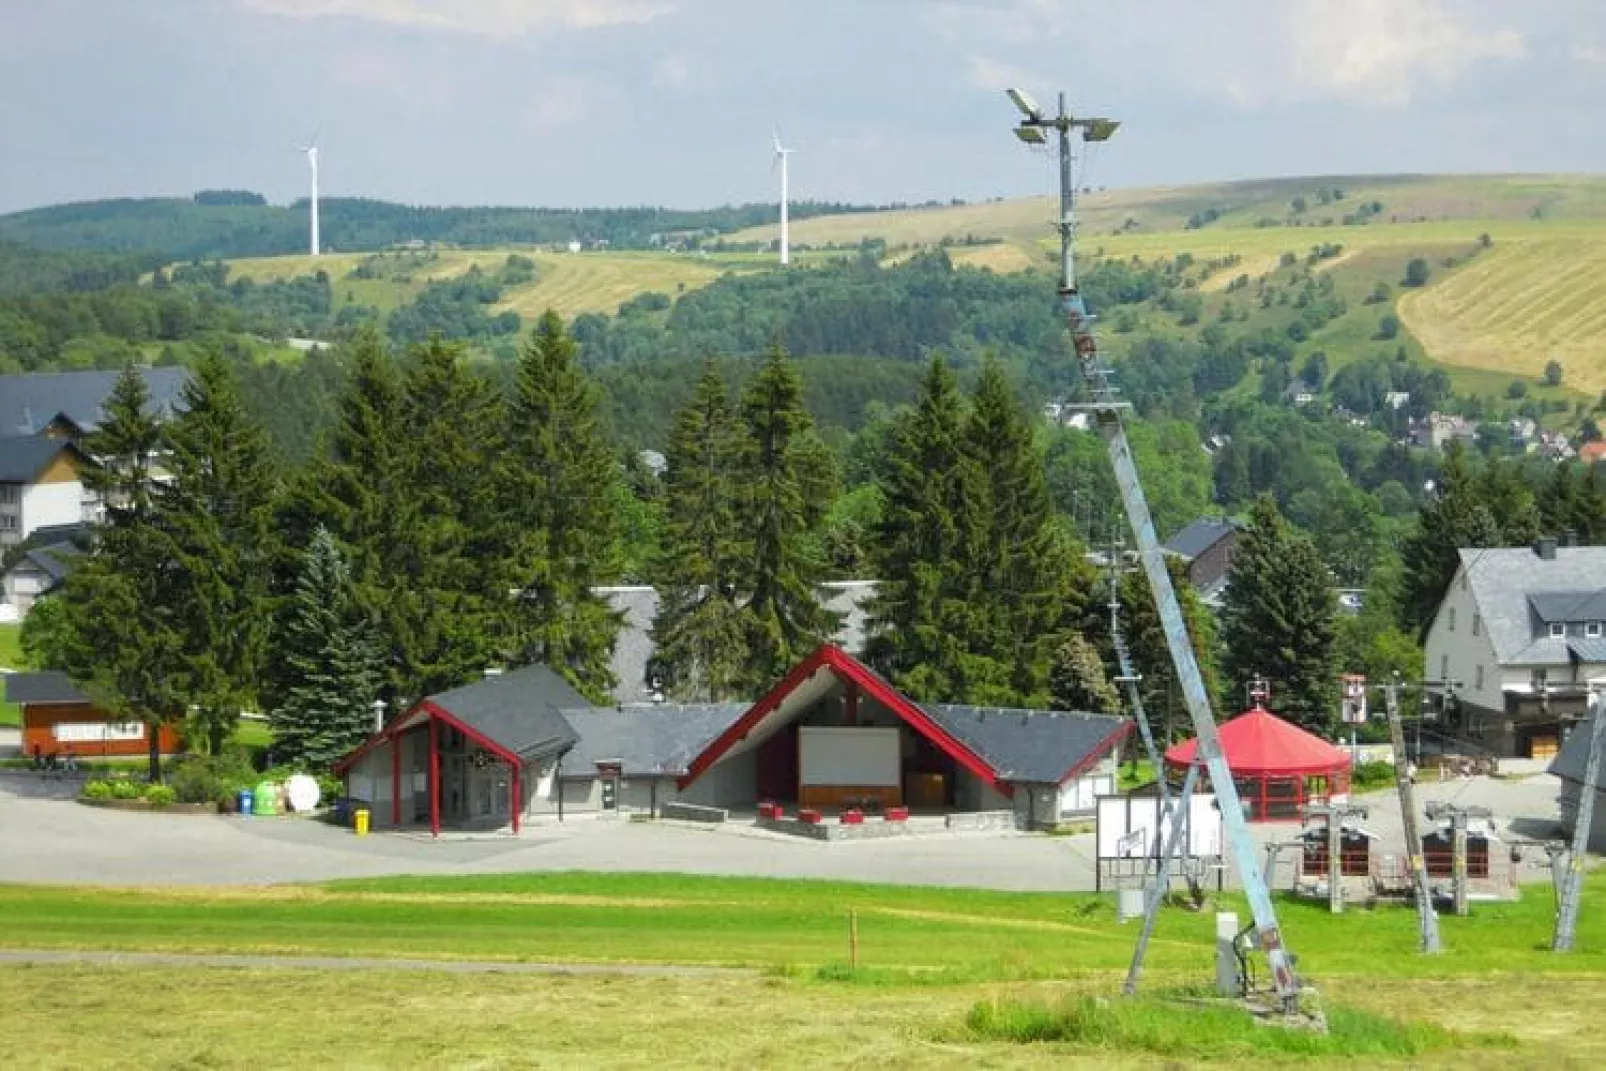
673,102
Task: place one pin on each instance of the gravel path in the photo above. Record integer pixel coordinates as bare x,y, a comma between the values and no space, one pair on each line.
338,963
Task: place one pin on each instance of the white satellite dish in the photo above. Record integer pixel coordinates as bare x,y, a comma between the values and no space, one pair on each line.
303,793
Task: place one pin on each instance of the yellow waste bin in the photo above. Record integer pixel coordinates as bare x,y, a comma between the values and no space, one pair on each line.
361,819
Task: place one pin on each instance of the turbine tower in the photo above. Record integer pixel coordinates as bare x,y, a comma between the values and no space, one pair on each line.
312,163
786,234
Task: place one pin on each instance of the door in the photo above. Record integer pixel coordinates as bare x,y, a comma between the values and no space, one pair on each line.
776,762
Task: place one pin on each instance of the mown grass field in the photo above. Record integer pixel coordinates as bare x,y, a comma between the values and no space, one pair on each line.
928,956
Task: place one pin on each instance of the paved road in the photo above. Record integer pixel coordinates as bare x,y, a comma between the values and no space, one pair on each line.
58,841
338,963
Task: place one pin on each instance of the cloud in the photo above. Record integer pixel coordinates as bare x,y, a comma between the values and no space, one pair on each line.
488,17
1381,52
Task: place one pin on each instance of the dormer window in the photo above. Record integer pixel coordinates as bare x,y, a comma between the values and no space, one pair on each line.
1557,630
1592,630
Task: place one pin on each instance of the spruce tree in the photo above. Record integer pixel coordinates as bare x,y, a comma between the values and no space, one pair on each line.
699,630
559,495
362,491
1457,516
1023,569
1078,681
1151,654
787,480
128,640
1279,618
452,586
334,668
922,616
217,511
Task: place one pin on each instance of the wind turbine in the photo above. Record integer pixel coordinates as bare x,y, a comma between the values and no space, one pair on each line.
312,163
786,235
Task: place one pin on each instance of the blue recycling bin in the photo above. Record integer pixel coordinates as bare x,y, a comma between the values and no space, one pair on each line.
246,801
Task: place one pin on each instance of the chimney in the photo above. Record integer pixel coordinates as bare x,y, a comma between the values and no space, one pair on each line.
1569,538
1546,548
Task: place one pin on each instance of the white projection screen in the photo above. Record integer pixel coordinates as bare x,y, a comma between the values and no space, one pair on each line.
848,757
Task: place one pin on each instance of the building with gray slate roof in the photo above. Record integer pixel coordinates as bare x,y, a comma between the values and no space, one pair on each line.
633,652
1522,632
830,736
71,402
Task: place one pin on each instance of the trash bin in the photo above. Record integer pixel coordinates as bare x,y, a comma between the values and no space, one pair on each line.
362,821
244,801
265,800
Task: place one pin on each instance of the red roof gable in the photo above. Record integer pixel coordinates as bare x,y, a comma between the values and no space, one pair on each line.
846,668
1260,742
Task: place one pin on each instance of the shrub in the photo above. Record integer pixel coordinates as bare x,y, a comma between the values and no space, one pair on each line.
159,796
125,789
98,790
1371,775
204,779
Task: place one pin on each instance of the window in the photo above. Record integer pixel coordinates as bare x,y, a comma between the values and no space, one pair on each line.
8,522
1444,667
9,493
1452,619
1477,624
1557,630
1592,630
1539,679
1479,677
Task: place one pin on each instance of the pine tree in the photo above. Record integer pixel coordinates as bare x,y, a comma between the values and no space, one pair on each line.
334,669
127,647
452,586
1278,619
922,620
787,478
1023,570
1151,654
1456,517
699,630
362,491
217,513
559,495
1078,680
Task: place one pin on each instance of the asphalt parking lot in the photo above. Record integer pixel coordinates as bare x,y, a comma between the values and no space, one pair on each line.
55,840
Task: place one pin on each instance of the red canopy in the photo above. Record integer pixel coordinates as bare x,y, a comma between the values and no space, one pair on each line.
1259,742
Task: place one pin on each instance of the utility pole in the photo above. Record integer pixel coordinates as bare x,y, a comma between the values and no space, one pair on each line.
1427,918
1129,677
1108,415
1335,814
1572,888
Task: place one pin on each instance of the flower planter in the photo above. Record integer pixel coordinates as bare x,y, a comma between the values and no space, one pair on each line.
853,818
808,816
897,814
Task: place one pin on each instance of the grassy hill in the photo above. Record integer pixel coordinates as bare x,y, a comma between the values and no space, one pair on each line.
1535,296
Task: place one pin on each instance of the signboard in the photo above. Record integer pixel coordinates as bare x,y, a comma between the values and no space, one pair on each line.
1134,827
1354,709
856,757
96,732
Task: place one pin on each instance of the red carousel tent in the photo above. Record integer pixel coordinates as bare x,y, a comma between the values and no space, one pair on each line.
1278,767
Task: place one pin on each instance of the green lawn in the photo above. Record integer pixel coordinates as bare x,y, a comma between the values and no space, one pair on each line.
958,934
950,978
10,658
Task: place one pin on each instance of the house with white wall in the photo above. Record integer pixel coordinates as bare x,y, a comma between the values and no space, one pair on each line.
1522,632
40,486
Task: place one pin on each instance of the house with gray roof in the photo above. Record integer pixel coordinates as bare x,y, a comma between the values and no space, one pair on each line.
831,735
69,404
1206,547
633,651
1569,766
40,486
1522,633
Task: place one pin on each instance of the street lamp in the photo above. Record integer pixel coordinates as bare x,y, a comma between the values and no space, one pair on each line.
1033,130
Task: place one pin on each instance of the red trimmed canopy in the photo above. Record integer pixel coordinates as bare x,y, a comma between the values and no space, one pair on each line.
809,681
1259,742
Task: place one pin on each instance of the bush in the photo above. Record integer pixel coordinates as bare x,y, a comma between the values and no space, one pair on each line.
204,779
1371,775
125,789
1417,273
98,790
159,796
